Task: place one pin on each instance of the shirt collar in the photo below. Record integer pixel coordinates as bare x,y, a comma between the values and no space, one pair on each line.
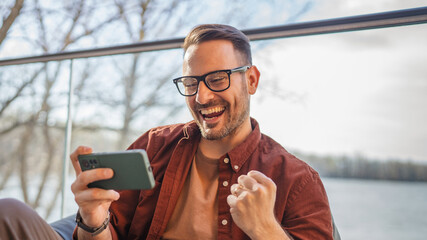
241,152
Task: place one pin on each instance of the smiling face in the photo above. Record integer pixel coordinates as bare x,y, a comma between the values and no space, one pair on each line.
218,114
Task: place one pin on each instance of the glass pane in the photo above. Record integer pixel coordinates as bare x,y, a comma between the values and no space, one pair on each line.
351,104
33,111
354,105
120,97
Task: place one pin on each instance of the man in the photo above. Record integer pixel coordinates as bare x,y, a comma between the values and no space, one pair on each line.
217,177
274,195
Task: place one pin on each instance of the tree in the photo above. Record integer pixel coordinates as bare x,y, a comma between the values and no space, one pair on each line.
36,132
133,88
10,19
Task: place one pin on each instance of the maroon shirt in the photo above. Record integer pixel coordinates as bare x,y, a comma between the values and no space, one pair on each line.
301,203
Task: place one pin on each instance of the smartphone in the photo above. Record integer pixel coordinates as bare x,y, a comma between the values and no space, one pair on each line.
131,168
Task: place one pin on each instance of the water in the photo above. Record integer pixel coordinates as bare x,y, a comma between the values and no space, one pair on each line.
368,209
362,209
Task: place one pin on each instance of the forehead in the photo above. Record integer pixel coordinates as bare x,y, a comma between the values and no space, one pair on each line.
210,56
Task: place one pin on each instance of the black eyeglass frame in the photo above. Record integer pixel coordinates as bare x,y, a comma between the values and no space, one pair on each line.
203,79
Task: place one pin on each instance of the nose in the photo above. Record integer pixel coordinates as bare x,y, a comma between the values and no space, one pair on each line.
204,94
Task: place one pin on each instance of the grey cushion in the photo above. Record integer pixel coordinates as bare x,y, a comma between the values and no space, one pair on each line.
65,227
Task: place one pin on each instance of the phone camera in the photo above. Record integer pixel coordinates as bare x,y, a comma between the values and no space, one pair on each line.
85,163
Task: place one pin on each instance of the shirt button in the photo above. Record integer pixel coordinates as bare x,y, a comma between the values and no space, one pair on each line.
224,222
236,167
226,160
225,183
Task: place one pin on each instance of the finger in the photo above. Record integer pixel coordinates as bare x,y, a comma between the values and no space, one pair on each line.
74,157
242,195
231,200
96,194
93,175
261,178
236,189
247,182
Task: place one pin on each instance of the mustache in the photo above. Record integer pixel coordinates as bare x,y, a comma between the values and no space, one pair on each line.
213,103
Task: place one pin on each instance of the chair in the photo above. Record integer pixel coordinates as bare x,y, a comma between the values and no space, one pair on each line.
65,227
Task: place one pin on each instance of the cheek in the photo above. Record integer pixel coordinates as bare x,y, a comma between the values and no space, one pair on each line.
190,102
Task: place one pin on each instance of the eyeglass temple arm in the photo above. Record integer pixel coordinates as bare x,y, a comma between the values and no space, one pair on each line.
241,69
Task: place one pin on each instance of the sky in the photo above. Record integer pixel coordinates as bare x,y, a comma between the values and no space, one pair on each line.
358,93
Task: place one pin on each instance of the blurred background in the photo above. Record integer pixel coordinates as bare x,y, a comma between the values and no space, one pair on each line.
353,105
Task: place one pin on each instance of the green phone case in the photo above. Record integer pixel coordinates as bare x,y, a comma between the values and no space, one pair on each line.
131,169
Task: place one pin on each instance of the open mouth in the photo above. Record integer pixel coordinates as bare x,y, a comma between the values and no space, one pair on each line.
211,113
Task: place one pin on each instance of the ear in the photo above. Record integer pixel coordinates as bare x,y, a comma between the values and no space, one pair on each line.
252,79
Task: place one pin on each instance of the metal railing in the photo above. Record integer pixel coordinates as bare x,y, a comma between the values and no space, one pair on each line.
336,25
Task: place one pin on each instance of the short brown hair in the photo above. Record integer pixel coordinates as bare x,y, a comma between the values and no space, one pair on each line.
206,32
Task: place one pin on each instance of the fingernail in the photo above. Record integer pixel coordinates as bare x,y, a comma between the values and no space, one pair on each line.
108,172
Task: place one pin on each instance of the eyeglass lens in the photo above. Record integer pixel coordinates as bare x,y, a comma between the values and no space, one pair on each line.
216,81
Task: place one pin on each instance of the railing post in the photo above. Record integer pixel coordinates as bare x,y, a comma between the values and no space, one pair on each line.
67,141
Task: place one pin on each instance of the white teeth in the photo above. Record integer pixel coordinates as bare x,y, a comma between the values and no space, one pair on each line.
211,110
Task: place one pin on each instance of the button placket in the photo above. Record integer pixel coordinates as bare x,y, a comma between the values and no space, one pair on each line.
225,183
226,173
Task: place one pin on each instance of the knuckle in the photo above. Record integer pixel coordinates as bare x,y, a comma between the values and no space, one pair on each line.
260,191
94,194
274,187
241,178
245,197
74,187
76,199
81,178
239,205
271,185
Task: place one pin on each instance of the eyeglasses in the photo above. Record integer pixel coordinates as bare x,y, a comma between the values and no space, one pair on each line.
216,81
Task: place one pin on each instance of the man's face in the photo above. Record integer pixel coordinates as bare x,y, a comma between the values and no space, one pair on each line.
218,114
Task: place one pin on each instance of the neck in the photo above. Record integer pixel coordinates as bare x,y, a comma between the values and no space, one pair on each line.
217,148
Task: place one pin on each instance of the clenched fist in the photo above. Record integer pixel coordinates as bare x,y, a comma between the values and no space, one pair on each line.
251,203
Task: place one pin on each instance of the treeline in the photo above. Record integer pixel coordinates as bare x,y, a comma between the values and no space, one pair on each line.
359,166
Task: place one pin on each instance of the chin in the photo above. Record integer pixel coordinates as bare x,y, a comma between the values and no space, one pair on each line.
211,134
